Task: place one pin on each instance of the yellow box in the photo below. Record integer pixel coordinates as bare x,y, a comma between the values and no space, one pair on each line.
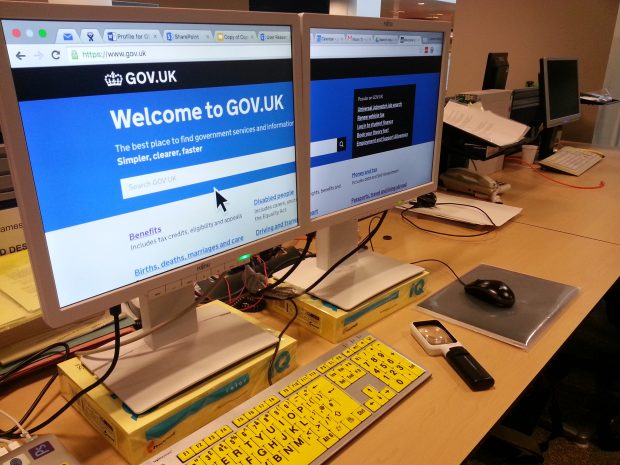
138,437
335,324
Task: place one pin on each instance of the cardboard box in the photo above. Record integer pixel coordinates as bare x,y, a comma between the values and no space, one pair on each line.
335,324
138,437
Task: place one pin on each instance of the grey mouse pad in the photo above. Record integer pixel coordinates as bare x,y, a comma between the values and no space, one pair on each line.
536,302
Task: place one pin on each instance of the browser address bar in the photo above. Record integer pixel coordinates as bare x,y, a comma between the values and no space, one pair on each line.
176,52
26,55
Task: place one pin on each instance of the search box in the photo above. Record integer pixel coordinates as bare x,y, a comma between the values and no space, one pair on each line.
145,184
327,146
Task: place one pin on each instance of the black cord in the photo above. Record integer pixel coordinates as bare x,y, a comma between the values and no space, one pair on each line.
33,358
470,206
275,352
367,239
348,255
6,377
444,264
369,225
404,218
302,257
115,312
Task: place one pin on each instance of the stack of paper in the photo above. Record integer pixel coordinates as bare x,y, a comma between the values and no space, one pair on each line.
484,124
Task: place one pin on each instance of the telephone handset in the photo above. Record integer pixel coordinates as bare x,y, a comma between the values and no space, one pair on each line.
472,182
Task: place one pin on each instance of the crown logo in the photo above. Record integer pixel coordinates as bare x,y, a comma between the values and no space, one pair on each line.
113,79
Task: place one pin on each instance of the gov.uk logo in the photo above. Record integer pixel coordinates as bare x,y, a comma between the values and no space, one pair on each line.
113,79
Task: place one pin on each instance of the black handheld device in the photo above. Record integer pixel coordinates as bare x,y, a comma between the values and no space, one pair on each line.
435,339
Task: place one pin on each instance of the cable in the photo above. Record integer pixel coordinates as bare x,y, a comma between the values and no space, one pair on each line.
275,352
18,425
444,264
33,357
6,376
404,218
470,206
309,238
115,312
144,333
369,225
348,255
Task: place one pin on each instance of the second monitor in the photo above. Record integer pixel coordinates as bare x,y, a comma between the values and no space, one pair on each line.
373,95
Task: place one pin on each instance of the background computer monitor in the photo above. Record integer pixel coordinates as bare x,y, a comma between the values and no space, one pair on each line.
150,149
496,71
373,97
559,94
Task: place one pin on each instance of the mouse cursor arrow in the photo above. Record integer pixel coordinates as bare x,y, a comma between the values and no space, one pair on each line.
220,200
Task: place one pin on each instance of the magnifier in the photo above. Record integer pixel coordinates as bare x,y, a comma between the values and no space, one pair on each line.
435,339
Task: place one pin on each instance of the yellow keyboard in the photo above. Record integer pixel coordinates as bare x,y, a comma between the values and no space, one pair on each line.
307,416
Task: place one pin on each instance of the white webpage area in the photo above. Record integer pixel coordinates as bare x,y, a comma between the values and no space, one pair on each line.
338,186
144,243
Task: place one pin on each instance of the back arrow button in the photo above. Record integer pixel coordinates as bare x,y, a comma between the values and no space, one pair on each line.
20,55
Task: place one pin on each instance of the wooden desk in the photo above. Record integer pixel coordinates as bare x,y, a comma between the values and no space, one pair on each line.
591,213
442,421
563,234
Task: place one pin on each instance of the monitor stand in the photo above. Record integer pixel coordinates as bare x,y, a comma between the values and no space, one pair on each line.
196,346
355,281
548,139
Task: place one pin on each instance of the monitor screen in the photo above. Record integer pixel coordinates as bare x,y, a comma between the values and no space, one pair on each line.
375,99
559,84
496,71
150,148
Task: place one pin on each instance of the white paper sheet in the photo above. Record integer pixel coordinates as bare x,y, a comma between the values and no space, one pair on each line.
484,124
499,213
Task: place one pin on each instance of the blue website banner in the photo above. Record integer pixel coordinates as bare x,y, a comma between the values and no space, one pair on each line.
333,104
82,147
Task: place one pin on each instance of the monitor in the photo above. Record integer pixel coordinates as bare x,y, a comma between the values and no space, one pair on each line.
496,71
559,94
373,97
559,87
150,149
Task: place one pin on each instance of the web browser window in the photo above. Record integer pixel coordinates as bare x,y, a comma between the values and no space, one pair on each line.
373,113
153,145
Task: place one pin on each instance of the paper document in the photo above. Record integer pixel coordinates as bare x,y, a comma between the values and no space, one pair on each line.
499,213
19,301
484,124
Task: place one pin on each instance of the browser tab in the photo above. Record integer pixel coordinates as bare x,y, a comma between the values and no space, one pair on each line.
385,39
359,38
326,38
432,39
274,36
236,36
90,36
131,35
67,36
410,40
185,35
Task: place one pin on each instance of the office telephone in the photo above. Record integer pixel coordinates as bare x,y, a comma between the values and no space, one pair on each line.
474,183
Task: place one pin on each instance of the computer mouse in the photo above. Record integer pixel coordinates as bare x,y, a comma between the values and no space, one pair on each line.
492,291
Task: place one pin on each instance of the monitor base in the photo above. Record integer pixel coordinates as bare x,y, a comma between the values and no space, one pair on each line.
144,378
353,283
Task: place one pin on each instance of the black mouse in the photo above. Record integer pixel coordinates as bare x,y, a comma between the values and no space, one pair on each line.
492,291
